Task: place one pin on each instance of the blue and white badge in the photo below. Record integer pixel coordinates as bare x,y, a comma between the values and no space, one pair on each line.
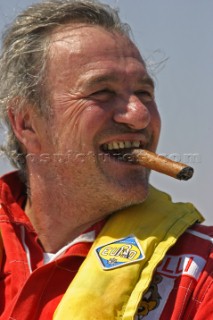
120,252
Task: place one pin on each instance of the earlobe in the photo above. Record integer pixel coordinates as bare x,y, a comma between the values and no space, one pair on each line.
22,123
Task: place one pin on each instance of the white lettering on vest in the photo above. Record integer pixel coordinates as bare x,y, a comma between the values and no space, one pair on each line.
174,266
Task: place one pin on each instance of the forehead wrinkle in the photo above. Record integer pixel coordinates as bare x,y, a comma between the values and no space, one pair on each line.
70,33
72,38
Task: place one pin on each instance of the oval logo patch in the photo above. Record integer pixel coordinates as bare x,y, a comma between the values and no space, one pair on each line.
120,252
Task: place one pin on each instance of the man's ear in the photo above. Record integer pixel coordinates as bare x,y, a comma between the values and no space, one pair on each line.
23,123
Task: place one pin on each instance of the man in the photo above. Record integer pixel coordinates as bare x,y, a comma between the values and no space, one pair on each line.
84,236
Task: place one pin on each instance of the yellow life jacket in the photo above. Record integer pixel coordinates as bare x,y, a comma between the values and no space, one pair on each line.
120,265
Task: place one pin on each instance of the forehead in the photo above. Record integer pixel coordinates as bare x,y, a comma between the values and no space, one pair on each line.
93,41
78,49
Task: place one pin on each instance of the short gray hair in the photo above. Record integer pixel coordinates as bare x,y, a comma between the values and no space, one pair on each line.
23,58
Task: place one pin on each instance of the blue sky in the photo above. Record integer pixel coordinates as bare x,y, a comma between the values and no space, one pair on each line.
175,38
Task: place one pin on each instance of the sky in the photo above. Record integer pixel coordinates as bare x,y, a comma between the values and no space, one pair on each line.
175,39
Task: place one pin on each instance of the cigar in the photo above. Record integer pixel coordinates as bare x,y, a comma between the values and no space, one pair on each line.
161,164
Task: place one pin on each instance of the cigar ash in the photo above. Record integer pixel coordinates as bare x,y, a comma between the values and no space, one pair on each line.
185,174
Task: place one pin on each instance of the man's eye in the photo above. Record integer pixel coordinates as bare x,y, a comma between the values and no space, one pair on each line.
145,95
102,95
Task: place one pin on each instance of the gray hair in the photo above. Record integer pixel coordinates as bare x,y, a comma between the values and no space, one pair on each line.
24,53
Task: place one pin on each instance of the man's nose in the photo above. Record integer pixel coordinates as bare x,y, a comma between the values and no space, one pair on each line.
133,113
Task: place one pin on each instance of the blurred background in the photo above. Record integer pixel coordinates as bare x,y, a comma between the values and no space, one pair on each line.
175,39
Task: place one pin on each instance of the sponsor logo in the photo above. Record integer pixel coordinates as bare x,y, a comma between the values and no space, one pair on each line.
120,252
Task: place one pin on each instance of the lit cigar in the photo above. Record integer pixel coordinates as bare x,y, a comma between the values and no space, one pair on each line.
161,164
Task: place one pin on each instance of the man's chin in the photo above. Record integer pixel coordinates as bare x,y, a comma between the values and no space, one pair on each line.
138,199
133,196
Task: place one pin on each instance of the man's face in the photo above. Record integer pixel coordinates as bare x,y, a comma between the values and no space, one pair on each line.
102,103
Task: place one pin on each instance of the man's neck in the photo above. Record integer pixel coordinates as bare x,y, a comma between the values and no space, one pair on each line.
60,210
55,231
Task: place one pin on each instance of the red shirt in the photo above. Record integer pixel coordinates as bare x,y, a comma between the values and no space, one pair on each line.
28,288
181,289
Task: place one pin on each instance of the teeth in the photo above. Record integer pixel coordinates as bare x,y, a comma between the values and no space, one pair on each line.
121,145
127,144
115,145
110,146
136,144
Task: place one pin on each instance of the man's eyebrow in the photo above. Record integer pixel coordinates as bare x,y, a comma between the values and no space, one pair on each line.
102,79
147,80
93,81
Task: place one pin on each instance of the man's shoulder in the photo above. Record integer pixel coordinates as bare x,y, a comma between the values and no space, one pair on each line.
196,240
10,186
202,231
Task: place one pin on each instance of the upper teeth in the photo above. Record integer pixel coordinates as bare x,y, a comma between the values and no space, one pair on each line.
114,145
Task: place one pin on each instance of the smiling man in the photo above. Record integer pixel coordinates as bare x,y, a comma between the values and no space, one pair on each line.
84,234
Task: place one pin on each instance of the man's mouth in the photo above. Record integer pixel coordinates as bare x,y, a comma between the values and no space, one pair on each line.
121,150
